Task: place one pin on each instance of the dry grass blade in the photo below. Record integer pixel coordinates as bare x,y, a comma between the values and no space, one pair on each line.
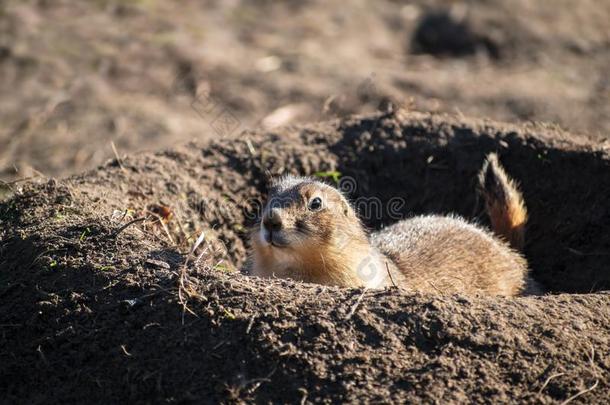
355,306
116,155
185,288
198,242
203,252
578,394
161,222
548,380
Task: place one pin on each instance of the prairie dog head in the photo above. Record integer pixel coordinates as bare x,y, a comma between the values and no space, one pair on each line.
308,232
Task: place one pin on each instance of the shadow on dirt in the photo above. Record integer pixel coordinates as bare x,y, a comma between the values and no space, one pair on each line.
567,192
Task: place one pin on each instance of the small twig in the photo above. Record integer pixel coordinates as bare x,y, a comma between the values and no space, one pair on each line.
387,267
121,229
355,306
580,393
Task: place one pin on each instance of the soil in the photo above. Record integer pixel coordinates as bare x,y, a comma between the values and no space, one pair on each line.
152,74
102,300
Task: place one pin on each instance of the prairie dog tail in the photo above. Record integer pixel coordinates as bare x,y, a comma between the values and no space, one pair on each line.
504,202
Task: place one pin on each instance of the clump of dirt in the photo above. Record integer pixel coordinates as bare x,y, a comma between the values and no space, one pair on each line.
441,33
102,299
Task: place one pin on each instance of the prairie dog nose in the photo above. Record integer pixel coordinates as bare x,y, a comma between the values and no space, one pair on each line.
272,220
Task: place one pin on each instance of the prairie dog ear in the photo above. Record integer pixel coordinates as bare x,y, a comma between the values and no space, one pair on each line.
274,184
347,209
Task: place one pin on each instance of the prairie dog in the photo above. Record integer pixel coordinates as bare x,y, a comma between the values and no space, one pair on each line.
310,232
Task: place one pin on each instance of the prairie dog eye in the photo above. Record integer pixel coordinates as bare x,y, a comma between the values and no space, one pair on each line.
315,204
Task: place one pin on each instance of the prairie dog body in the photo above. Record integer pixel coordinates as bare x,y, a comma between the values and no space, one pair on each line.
309,232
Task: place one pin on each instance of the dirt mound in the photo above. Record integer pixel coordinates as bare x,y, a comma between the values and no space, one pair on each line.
148,75
100,300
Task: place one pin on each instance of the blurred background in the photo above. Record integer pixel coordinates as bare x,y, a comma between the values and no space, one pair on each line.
83,80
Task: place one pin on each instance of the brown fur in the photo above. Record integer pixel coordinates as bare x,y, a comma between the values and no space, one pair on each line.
504,203
429,254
